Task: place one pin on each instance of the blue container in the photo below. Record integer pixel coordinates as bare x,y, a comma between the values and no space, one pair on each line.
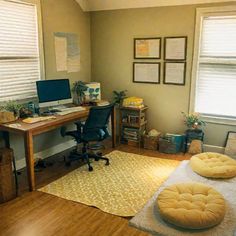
172,143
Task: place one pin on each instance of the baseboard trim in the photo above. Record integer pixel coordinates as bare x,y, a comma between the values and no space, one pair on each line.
212,148
71,143
47,153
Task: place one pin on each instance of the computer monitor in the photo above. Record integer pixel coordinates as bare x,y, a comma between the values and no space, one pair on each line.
53,92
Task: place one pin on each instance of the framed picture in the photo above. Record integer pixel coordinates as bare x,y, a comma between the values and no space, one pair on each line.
230,144
175,48
174,73
147,48
146,72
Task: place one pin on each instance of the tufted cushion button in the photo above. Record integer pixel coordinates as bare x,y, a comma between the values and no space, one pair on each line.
213,165
195,212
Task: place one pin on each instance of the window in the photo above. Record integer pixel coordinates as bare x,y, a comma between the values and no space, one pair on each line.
19,50
214,65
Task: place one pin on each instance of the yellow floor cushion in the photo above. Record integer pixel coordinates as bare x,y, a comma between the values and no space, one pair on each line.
213,165
191,205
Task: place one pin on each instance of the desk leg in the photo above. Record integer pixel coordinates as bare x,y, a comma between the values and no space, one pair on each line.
113,126
29,155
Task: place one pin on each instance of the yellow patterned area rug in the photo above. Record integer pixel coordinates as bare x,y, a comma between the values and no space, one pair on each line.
122,188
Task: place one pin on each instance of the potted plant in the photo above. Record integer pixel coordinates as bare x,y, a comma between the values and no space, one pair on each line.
193,121
79,88
14,107
118,96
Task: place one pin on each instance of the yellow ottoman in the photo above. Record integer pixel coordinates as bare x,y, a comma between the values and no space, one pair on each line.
191,205
213,165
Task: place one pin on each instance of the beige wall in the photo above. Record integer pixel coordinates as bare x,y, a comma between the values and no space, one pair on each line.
112,34
65,16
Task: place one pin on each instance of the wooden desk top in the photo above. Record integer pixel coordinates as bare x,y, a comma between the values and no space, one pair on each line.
44,126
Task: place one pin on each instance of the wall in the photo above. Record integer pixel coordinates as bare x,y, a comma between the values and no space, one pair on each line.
59,16
66,16
112,34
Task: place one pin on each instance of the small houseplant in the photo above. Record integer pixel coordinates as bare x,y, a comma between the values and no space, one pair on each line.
193,121
79,88
118,96
12,106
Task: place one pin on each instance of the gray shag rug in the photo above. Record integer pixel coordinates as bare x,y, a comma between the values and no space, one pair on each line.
148,218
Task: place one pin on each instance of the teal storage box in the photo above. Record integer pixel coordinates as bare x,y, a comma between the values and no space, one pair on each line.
171,143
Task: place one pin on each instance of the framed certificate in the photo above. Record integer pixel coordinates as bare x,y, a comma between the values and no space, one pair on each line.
146,72
175,48
147,48
174,73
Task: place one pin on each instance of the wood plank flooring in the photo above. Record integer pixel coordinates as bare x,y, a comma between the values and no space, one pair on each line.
41,214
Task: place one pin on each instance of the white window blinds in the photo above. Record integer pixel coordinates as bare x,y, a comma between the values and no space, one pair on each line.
19,51
216,76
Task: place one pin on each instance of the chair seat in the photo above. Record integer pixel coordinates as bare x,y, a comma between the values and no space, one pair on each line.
98,135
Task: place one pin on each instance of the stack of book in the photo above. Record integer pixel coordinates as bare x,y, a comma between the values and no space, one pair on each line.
130,134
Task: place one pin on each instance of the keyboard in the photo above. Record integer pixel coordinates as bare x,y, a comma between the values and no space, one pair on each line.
68,110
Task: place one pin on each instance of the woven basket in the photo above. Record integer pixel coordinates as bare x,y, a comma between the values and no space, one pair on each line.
6,116
150,142
7,191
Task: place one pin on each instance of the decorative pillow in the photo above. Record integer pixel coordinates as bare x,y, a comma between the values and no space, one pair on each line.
213,165
191,205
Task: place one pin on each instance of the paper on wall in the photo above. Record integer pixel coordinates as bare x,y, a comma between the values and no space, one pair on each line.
61,53
67,52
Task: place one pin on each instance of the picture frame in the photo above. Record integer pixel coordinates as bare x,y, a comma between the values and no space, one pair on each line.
174,73
146,72
175,48
230,144
147,48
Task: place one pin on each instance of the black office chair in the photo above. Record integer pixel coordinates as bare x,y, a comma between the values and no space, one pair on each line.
94,129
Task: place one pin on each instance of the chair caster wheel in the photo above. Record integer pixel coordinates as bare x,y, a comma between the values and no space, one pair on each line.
90,168
107,163
96,159
68,163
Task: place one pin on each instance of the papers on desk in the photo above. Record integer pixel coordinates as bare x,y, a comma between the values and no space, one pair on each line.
37,119
16,125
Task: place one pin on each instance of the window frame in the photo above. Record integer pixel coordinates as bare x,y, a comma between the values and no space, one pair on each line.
37,4
200,13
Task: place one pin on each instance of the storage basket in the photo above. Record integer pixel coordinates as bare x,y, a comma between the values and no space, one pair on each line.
150,142
6,116
171,144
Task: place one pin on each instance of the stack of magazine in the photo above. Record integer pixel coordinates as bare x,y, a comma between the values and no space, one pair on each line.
130,134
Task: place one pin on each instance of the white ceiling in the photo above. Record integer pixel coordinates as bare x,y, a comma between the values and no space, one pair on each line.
98,5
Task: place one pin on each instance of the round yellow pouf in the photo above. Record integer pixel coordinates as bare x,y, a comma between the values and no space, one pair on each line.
213,165
191,205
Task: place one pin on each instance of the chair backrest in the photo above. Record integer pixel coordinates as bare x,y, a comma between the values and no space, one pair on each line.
98,117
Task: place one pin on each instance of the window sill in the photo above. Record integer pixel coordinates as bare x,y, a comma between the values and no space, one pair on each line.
219,120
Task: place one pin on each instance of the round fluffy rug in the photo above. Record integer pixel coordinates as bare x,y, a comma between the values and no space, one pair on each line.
122,188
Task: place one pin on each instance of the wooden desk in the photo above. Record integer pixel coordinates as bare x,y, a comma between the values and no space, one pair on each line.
30,130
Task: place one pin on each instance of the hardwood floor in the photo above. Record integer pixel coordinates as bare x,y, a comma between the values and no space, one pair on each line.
41,214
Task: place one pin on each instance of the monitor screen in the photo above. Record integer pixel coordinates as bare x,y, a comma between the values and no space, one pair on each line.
53,90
